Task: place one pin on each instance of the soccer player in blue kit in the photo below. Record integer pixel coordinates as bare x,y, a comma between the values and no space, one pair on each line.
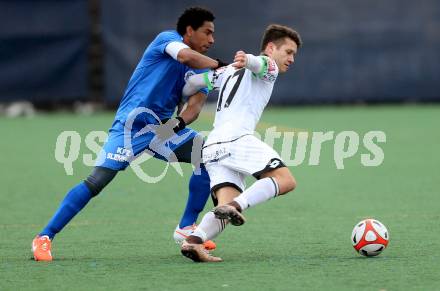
144,118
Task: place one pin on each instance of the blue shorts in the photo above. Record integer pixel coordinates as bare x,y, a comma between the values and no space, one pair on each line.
123,146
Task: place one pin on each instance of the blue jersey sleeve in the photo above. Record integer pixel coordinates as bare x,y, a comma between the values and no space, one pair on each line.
164,38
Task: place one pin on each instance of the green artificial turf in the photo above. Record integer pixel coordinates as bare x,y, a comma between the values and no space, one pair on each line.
123,238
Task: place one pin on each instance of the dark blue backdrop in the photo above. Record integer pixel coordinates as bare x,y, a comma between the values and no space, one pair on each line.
353,50
43,49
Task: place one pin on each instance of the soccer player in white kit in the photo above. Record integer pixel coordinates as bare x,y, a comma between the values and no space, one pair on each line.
231,151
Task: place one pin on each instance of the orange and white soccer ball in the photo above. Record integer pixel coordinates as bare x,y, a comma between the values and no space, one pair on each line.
370,237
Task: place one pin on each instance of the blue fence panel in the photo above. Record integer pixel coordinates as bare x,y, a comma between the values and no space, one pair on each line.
353,50
43,50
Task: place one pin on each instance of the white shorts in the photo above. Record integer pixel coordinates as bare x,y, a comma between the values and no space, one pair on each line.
228,163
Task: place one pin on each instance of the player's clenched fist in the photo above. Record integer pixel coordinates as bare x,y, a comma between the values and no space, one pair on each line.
240,60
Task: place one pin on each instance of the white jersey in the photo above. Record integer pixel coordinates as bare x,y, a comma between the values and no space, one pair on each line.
243,95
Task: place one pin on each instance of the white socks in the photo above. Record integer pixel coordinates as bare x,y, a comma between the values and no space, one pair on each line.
210,227
261,191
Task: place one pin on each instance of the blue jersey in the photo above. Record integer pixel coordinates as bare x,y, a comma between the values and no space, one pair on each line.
156,83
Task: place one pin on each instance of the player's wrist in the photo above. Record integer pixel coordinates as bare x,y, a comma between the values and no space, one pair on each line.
220,64
181,124
175,124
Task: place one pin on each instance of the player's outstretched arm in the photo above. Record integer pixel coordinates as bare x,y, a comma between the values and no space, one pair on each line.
196,60
193,107
190,111
263,66
185,55
211,80
194,83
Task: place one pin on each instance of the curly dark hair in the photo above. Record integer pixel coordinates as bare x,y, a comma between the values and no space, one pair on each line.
195,17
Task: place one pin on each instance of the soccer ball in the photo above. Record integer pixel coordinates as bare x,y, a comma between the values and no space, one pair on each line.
370,237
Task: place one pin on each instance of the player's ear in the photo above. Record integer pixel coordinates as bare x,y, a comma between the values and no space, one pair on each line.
270,48
189,31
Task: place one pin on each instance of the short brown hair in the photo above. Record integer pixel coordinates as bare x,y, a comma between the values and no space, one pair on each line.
276,33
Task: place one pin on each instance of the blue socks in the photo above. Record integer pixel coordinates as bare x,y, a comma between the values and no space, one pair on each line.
199,191
74,201
78,197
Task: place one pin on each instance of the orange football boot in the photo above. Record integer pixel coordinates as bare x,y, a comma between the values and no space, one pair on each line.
41,246
209,245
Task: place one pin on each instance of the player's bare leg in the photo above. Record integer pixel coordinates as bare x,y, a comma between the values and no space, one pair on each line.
285,180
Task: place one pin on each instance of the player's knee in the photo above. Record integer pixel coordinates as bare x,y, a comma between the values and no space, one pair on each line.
98,179
291,184
287,183
94,185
